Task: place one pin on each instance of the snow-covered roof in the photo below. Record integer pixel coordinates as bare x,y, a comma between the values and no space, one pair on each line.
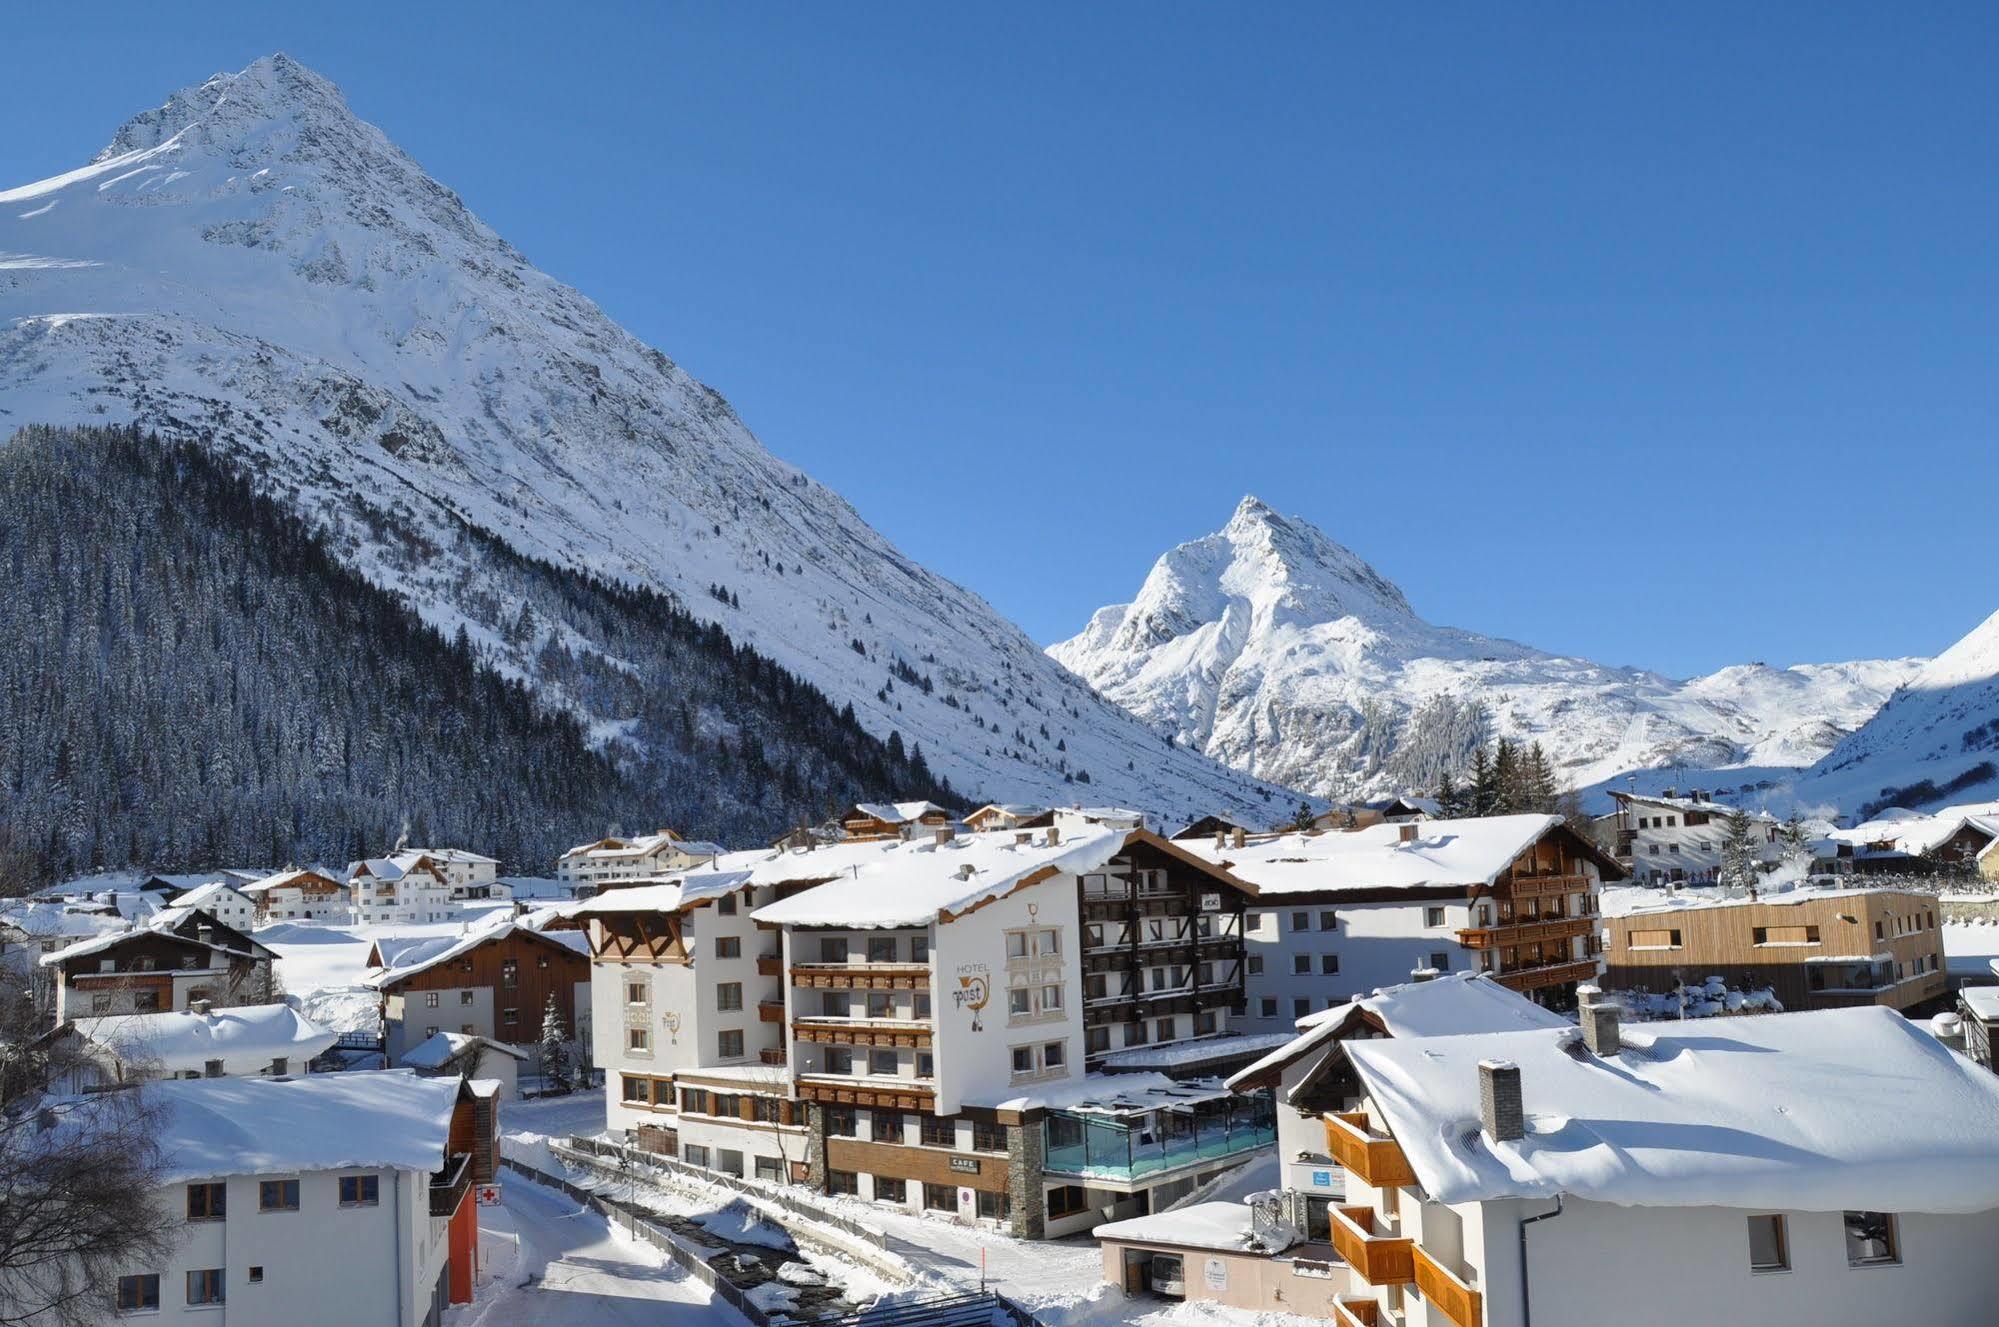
47,919
1982,1001
158,926
459,856
1705,804
404,957
441,1048
211,1127
1822,1111
1914,835
900,813
1111,1094
911,882
1198,1050
285,878
670,895
1225,1227
1459,1002
187,1040
1451,853
642,846
204,896
1636,900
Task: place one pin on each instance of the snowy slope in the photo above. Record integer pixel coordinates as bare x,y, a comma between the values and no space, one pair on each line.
252,263
1279,652
1941,729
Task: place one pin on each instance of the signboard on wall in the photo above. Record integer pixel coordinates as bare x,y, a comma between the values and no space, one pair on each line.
1211,903
1217,1274
975,988
970,1165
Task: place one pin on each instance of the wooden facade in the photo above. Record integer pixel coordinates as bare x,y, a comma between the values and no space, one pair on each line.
1752,944
521,968
1536,924
983,1171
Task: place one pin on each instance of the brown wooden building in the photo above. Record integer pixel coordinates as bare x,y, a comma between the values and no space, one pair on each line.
494,983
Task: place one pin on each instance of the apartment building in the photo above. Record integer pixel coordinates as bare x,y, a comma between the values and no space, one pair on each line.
179,957
228,905
925,1015
495,982
614,860
1814,946
1670,839
1829,1166
470,875
406,889
300,895
1346,911
335,1199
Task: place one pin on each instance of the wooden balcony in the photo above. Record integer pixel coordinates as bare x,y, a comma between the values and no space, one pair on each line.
1372,1158
769,965
1536,886
1446,1292
878,1093
772,1056
1549,974
861,976
1525,933
1353,1312
770,1011
897,1032
449,1186
1380,1259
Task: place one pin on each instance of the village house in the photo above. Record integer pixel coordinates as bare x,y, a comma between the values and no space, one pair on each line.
30,928
469,874
459,1055
1672,839
179,957
117,1050
226,904
617,861
1814,946
334,1199
494,982
894,820
1830,1166
1343,911
407,889
305,895
1953,840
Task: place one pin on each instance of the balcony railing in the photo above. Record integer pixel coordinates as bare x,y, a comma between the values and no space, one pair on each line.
1549,974
1524,932
861,976
1377,1257
769,965
772,1056
1375,1158
770,1011
1536,886
1354,1312
449,1186
1447,1293
886,1093
830,1031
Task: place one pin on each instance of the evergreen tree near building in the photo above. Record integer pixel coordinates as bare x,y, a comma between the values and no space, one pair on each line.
553,1055
1451,804
1483,795
1739,868
1304,818
1796,842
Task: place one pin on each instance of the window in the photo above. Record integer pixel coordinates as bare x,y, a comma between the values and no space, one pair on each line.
635,1039
205,1287
1023,1059
280,1067
430,1031
881,1004
769,1168
881,949
1300,1007
1329,964
939,1133
940,1198
1870,1240
694,1154
1051,998
211,1069
1016,944
1655,940
146,1001
886,1126
767,1110
635,992
1784,935
637,1090
994,1206
1163,1029
842,1122
919,949
276,1196
832,949
1329,921
728,946
1017,1002
1767,1249
889,1189
729,996
256,1275
138,1294
839,1060
920,1005
465,997
1134,1034
1055,1054
1267,1007
207,1202
1301,921
988,1137
1255,965
726,905
100,1004
1067,1200
430,999
1301,964
1433,916
1441,961
926,1065
360,1190
881,1063
1204,1023
729,1043
510,974
510,1017
1096,1040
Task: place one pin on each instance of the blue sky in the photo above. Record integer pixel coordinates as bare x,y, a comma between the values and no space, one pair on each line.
1661,334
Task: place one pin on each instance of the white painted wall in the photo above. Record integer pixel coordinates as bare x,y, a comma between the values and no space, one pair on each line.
1376,945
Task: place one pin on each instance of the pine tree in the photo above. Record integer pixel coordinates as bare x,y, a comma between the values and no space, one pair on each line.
1450,802
1738,851
1508,793
554,1052
1303,818
1796,841
1483,795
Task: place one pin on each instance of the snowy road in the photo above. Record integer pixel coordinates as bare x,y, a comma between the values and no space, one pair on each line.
548,1263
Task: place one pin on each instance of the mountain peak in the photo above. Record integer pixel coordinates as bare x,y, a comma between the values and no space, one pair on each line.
1322,579
270,88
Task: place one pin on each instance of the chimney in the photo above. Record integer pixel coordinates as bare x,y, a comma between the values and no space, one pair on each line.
199,1007
1423,974
1600,1020
1239,838
1408,834
964,870
943,835
1500,1113
1054,835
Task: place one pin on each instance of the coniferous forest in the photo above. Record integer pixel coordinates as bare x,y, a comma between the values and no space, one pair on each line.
189,676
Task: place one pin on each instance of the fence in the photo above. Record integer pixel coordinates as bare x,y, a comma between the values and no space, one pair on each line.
986,1308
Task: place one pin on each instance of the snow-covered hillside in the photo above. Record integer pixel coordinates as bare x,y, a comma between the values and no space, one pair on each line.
252,264
1281,653
1935,740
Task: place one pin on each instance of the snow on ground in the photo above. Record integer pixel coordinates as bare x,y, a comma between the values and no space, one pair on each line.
555,1117
548,1262
322,963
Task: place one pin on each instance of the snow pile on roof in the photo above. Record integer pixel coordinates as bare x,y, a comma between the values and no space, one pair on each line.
671,895
1913,834
1225,1227
160,924
900,882
456,856
1634,900
1198,1050
187,1040
285,878
615,849
900,813
1823,1111
258,1126
405,956
49,920
1456,853
1112,1094
203,896
441,1048
1459,1003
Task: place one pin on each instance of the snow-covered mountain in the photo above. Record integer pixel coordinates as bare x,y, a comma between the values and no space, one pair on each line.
1935,740
251,265
1281,653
